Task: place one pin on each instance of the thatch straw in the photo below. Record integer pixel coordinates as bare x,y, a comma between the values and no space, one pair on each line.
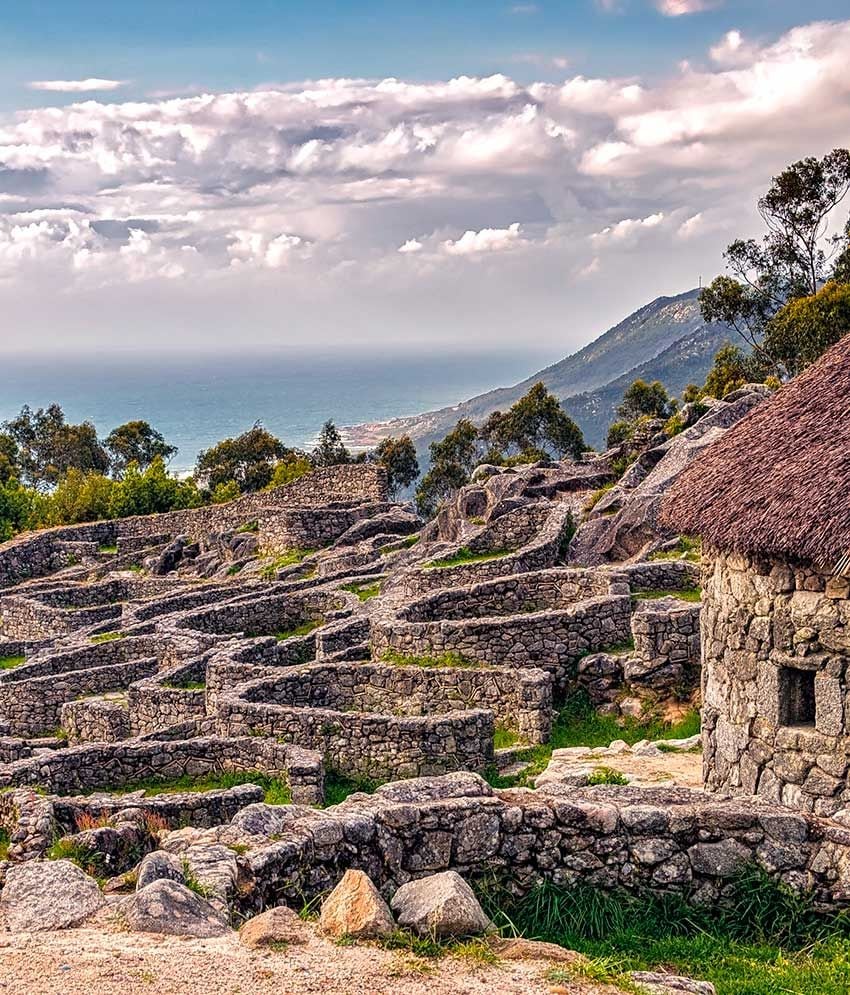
778,482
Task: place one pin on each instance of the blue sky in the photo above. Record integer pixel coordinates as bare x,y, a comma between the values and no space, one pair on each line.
221,175
175,45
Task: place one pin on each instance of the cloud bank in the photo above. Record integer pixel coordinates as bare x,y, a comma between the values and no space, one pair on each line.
344,210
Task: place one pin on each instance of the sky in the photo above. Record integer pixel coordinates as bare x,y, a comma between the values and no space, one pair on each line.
227,176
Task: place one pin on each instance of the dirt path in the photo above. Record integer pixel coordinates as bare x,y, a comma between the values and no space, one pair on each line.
98,962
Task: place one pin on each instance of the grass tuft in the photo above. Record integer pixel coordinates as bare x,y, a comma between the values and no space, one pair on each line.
443,660
338,787
106,637
10,662
363,591
304,629
682,593
466,555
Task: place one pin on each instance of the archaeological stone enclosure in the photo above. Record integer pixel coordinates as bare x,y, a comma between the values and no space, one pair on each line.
263,694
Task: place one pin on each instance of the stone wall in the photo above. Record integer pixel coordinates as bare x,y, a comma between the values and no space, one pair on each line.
776,685
101,766
166,699
337,709
95,720
667,645
310,527
664,840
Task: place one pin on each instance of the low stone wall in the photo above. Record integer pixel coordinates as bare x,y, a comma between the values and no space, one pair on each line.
554,640
34,555
28,619
162,700
672,841
776,681
309,527
101,766
337,709
667,645
95,720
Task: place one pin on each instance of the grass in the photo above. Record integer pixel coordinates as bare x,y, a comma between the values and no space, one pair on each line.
276,791
578,724
106,637
338,787
108,548
405,543
682,593
185,685
363,591
685,549
10,662
234,569
287,559
504,737
193,884
443,660
616,649
90,861
765,940
606,775
248,527
300,630
596,496
466,555
5,842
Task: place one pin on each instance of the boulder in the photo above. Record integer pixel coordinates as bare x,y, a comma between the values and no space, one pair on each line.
159,866
518,948
654,983
280,925
440,905
355,908
51,894
171,908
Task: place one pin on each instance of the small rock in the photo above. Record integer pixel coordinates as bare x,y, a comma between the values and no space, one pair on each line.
278,925
171,908
355,908
159,866
440,905
670,984
518,948
52,894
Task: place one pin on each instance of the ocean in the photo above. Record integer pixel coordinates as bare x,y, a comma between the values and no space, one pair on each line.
197,400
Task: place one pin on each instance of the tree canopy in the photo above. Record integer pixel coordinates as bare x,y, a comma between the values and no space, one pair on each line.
535,427
136,442
398,457
330,449
248,460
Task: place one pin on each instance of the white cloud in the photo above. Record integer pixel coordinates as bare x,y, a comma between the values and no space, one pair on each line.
77,85
678,8
338,196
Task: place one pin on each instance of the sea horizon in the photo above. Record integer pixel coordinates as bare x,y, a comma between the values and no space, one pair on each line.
196,400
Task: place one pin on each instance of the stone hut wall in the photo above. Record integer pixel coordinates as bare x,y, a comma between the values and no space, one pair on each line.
776,682
667,645
310,527
304,709
160,701
95,720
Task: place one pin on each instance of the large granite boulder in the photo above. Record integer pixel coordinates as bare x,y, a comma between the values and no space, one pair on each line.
355,908
171,908
50,894
441,905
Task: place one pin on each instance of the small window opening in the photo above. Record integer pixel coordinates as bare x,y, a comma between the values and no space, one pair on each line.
796,697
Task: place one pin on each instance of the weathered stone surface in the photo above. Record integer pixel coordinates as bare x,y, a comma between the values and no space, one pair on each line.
440,905
171,908
518,948
355,908
53,894
654,983
280,925
159,866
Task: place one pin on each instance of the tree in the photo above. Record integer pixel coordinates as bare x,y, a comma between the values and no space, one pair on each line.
398,457
80,496
806,327
15,508
150,491
248,459
9,467
48,447
619,432
294,465
535,426
452,460
792,259
330,449
644,399
732,368
136,442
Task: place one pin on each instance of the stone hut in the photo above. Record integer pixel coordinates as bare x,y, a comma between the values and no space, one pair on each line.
771,500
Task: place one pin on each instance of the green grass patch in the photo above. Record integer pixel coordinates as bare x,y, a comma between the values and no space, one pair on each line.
185,685
110,548
338,787
619,648
106,637
276,791
442,660
504,737
363,591
10,662
405,543
596,496
685,549
248,527
763,940
606,775
234,569
88,860
466,555
682,593
287,559
300,630
579,724
5,842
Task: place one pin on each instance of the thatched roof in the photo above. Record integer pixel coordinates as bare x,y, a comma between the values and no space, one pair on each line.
778,482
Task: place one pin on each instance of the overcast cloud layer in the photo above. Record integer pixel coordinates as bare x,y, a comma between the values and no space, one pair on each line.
466,212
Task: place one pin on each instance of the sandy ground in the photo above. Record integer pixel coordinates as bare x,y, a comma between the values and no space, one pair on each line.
91,961
682,769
